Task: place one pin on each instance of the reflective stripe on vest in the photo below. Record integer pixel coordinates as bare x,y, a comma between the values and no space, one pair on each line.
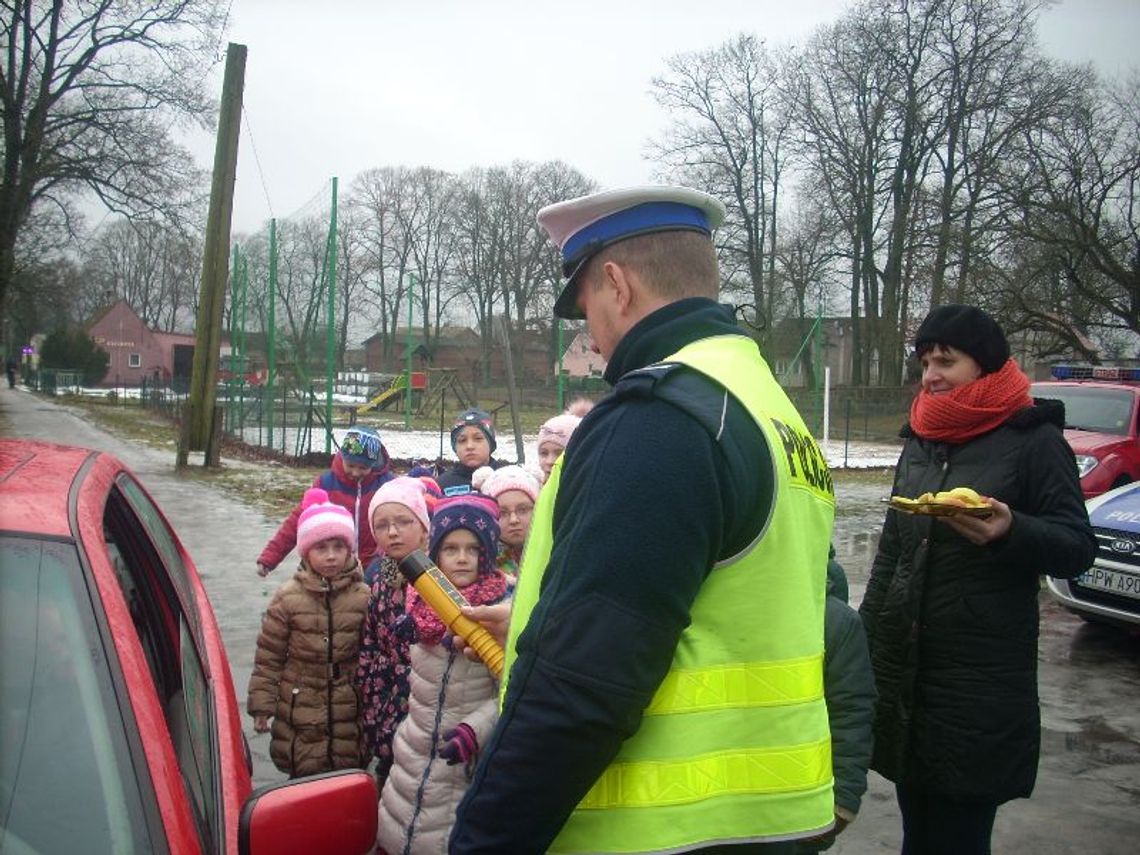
734,745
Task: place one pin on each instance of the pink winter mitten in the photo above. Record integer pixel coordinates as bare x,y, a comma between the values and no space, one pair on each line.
459,745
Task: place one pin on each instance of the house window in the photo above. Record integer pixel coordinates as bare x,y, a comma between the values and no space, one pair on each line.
134,360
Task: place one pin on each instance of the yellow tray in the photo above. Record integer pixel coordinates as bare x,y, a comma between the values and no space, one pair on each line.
936,509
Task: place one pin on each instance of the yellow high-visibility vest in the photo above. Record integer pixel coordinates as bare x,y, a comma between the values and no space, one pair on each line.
734,746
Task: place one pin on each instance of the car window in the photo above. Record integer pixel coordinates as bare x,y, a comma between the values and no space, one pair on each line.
164,542
67,782
168,640
1094,409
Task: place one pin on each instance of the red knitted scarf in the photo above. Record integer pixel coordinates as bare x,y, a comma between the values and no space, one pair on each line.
972,409
487,588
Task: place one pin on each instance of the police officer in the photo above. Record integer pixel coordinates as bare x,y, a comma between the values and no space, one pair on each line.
665,650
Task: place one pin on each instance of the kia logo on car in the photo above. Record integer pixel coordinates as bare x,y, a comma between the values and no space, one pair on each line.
1123,545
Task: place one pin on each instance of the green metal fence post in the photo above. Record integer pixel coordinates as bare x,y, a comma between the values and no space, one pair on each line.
330,371
561,382
408,377
271,345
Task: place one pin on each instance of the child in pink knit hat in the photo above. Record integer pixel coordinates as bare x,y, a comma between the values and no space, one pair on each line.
515,489
554,435
308,646
400,517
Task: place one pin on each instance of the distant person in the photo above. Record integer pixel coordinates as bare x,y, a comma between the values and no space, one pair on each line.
554,435
849,688
515,489
307,650
473,441
453,704
357,472
400,519
951,603
10,366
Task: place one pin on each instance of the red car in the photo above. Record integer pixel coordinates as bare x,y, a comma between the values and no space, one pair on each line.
119,727
1101,426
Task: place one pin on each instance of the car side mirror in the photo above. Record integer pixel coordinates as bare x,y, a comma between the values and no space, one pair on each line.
334,813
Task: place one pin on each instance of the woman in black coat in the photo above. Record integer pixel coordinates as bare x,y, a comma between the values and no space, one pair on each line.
951,603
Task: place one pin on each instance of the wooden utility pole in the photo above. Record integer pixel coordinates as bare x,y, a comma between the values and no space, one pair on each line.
215,261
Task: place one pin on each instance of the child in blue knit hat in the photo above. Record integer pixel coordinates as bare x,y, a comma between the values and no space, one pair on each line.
454,700
354,475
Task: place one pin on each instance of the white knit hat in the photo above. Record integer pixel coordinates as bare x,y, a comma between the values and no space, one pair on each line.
494,482
322,520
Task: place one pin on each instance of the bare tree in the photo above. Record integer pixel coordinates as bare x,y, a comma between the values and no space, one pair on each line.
729,136
89,91
843,101
150,265
1079,195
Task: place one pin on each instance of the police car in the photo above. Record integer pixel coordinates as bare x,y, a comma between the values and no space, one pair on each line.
1102,422
1109,591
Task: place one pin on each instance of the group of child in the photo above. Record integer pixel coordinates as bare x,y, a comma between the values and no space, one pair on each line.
352,665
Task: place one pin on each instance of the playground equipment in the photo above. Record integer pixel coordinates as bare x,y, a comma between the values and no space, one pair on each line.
443,380
394,393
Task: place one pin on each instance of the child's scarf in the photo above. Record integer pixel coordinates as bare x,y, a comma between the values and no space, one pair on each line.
971,409
487,588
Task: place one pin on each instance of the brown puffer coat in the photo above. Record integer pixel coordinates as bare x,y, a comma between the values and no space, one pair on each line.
303,672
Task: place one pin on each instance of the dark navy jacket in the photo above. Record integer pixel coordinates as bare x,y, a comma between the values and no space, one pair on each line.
649,501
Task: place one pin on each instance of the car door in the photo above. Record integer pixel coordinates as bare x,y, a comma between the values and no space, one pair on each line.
160,590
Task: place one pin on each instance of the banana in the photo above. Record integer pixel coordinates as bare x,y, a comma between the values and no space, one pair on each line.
966,497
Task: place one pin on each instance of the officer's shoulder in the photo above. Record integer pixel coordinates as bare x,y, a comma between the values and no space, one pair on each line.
701,397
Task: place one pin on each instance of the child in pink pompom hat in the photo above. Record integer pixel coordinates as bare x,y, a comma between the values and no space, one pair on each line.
554,435
310,638
515,488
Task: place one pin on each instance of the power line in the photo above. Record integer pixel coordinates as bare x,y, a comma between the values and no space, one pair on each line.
257,160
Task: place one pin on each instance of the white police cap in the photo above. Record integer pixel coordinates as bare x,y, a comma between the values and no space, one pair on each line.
584,226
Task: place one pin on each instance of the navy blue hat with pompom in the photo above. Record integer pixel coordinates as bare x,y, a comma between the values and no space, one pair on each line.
478,514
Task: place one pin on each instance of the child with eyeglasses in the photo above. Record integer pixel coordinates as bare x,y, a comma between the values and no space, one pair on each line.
399,517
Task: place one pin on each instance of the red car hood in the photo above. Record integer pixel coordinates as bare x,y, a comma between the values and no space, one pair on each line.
1088,442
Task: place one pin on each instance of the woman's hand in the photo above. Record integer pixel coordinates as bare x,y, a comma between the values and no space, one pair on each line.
982,531
261,723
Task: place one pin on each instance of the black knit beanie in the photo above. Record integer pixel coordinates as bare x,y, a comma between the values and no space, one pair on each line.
967,328
474,417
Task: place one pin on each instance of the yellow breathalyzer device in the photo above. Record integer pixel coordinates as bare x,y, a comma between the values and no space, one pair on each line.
446,601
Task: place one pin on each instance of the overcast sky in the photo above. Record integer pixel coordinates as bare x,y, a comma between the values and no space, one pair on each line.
333,87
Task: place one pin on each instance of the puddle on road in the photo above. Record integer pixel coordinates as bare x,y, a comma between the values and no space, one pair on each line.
858,522
1096,740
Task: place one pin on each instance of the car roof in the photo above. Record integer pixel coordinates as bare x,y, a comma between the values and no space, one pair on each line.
35,484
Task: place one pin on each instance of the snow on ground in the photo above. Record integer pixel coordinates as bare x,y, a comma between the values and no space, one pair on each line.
426,445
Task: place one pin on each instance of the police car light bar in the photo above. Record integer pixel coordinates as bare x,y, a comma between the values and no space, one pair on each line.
1095,372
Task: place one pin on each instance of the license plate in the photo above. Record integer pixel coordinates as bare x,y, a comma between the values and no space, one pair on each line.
1118,582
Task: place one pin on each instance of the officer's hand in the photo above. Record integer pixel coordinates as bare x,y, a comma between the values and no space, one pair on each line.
496,619
262,570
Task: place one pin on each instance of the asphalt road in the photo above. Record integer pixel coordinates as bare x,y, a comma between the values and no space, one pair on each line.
1088,787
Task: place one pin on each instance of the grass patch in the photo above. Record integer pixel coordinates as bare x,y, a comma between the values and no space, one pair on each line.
127,421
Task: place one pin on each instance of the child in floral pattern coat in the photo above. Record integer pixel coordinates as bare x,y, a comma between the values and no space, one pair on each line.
400,519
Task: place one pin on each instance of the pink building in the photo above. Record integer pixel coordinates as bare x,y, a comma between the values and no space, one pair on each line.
138,352
580,360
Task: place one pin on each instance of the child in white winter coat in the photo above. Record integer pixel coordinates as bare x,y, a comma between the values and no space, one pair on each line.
453,701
